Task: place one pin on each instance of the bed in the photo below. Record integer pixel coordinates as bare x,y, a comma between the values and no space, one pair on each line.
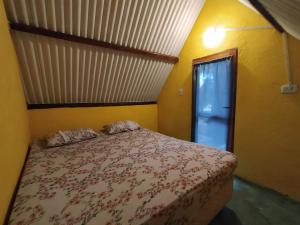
137,177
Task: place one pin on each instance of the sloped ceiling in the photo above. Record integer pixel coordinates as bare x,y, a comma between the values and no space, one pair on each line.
58,71
283,14
286,13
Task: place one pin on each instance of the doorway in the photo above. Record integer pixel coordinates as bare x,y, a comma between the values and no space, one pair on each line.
214,94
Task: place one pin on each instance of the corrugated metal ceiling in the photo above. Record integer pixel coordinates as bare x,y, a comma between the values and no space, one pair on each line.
57,71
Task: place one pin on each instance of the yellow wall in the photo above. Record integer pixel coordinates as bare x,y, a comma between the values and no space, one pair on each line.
14,133
46,121
267,140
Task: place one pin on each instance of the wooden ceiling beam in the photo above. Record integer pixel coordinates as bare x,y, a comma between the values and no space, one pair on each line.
74,105
264,12
88,41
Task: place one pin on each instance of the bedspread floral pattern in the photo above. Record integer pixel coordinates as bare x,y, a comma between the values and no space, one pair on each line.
137,177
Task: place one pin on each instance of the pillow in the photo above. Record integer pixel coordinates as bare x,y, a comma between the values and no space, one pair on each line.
70,136
121,126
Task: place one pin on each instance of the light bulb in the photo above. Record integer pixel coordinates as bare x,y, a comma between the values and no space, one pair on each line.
213,36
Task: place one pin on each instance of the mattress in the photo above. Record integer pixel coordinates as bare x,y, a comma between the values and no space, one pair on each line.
137,177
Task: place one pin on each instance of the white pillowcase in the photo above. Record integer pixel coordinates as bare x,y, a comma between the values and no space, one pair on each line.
121,126
70,136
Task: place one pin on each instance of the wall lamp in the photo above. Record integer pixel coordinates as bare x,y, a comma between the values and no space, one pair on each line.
213,36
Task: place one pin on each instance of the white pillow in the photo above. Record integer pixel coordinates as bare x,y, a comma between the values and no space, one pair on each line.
70,136
121,126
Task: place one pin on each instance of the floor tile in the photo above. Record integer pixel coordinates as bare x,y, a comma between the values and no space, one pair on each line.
254,205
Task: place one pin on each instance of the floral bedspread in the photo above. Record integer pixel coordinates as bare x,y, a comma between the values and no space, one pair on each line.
136,177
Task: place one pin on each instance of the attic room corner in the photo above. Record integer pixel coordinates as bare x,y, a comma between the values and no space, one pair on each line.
267,122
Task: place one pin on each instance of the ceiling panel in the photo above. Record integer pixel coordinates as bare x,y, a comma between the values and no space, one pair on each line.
57,71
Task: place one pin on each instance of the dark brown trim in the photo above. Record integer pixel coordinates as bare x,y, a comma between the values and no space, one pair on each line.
73,105
216,56
264,12
13,198
233,53
88,41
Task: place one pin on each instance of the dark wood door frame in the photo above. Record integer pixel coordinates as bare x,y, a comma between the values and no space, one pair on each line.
230,53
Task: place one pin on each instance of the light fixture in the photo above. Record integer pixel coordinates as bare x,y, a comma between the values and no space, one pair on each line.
213,36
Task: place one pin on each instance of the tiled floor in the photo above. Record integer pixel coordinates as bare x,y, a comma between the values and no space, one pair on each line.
253,205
